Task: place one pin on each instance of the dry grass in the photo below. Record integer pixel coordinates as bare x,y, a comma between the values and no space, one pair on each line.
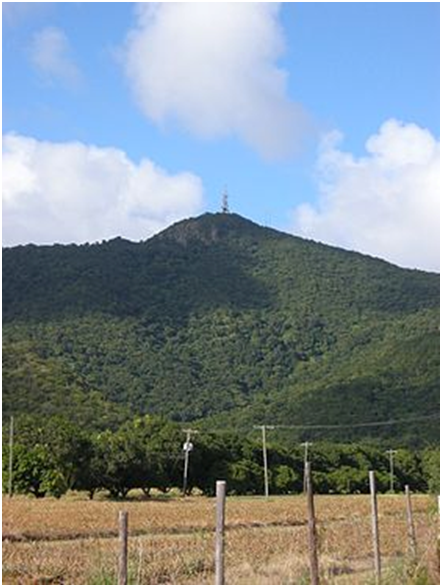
73,540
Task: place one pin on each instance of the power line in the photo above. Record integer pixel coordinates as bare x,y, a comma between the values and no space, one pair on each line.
360,425
324,426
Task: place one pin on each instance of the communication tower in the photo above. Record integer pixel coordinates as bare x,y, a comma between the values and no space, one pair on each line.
225,202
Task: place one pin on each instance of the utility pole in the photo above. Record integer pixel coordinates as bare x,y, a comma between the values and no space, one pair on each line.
391,454
264,455
187,447
306,446
11,449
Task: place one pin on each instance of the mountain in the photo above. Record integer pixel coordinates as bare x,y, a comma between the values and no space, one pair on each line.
223,321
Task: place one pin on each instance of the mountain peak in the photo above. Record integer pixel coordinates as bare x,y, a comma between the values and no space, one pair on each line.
218,316
209,228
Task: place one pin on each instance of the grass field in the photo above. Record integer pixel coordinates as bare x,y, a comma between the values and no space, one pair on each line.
74,540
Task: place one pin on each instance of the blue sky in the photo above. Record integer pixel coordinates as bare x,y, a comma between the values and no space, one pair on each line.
321,118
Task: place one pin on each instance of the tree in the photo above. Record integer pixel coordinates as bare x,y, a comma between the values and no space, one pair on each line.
48,455
34,471
285,480
244,477
431,469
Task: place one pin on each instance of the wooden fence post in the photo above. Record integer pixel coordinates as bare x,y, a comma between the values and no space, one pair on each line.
122,555
375,529
410,525
219,532
312,535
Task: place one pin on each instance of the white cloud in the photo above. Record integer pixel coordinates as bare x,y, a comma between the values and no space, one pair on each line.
386,203
51,56
14,12
72,192
212,68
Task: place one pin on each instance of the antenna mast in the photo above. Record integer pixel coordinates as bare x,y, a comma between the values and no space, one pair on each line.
225,202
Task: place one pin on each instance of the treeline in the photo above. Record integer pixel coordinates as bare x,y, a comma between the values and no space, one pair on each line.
52,456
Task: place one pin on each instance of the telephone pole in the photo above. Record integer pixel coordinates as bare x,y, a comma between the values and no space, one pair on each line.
187,447
391,454
306,446
264,454
11,450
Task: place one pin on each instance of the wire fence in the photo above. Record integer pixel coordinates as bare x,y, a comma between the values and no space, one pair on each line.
184,541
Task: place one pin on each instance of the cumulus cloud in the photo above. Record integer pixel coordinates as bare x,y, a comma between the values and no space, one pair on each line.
51,56
14,12
212,69
385,203
73,192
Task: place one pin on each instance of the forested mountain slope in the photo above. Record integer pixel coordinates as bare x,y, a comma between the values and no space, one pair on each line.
221,320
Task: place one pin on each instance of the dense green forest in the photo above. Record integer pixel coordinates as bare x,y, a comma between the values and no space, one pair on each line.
225,323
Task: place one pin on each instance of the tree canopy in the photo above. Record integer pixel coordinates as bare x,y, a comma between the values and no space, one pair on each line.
219,320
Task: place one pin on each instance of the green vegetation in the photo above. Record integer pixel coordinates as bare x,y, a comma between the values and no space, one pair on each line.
52,456
223,322
431,469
